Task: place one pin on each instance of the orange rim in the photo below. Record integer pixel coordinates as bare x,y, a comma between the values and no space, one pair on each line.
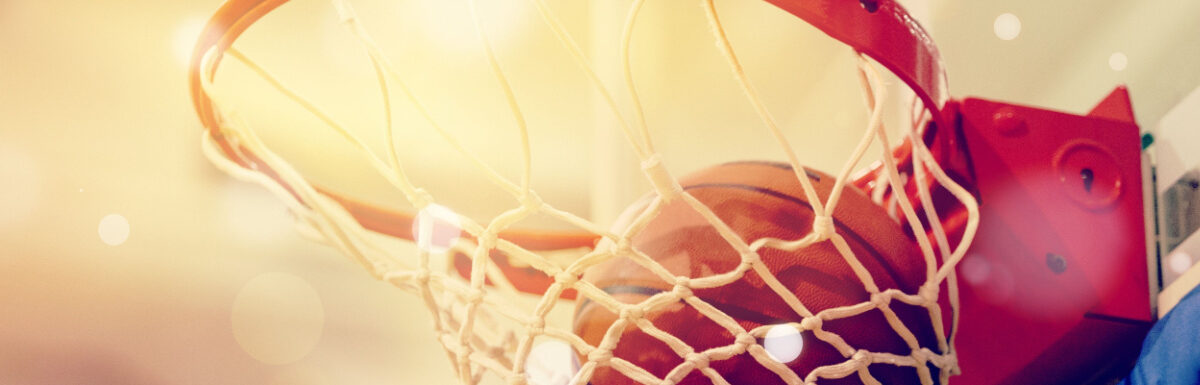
883,30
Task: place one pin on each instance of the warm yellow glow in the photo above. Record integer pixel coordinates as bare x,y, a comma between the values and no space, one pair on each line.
277,318
97,121
22,192
185,36
448,24
252,214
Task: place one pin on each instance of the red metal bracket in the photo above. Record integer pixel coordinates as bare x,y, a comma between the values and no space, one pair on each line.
1055,287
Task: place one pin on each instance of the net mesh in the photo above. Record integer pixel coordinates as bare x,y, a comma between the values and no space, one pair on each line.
475,319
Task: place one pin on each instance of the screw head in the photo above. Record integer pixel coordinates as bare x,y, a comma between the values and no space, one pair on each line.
1056,263
870,5
1008,122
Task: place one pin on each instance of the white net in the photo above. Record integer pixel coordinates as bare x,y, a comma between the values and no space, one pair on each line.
481,321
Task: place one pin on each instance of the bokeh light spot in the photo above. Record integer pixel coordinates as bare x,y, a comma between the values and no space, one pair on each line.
277,318
1118,61
975,269
552,362
114,229
1179,262
1007,26
783,343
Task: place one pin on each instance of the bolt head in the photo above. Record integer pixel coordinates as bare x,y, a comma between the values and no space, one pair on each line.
1008,122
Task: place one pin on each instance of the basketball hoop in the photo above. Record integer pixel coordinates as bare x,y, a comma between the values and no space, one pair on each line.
489,263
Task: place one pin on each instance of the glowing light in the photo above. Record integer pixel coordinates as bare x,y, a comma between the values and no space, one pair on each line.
1007,26
436,228
843,118
551,363
999,286
114,229
450,24
22,185
783,343
1118,61
252,214
1179,262
277,318
186,35
303,375
975,269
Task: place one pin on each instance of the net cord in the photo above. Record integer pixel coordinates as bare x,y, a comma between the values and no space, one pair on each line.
463,303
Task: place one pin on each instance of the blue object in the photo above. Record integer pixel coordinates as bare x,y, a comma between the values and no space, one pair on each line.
1171,351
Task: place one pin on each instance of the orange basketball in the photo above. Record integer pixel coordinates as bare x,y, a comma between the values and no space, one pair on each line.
761,199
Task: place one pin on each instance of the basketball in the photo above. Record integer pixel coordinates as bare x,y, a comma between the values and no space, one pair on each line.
757,200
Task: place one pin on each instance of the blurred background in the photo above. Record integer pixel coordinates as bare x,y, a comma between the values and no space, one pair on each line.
126,258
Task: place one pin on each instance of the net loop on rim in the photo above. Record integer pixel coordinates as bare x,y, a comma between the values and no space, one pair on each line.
665,185
474,321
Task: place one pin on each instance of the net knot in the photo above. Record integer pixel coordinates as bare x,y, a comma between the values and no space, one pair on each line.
537,326
823,227
749,258
566,278
698,360
682,287
487,240
922,356
632,313
744,340
861,358
474,296
880,300
948,361
667,187
423,276
928,293
811,323
600,356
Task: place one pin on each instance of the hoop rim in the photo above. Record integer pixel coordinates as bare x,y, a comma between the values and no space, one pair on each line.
884,31
880,29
